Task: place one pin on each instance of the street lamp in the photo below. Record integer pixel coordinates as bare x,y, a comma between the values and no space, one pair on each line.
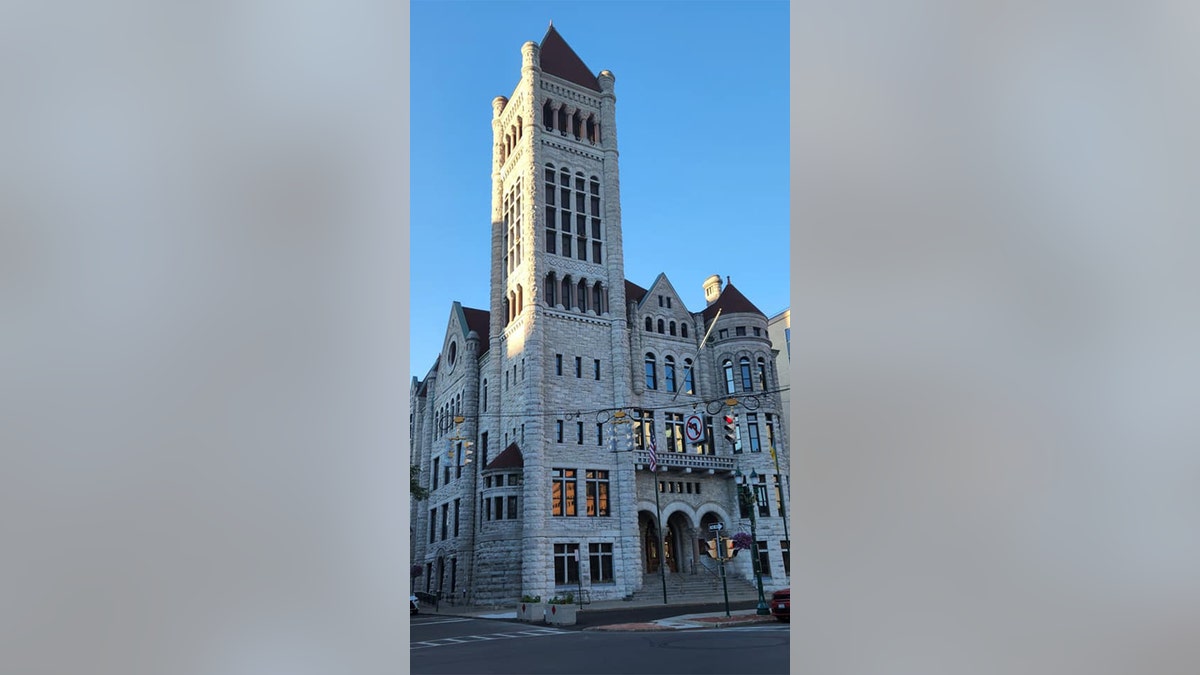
747,499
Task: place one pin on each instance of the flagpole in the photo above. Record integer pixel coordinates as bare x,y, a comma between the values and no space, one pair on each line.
662,548
652,445
703,340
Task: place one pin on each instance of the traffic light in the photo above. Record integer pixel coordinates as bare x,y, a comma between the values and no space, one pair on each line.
731,430
712,549
729,550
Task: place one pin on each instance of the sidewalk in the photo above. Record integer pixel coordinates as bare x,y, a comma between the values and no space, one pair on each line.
738,617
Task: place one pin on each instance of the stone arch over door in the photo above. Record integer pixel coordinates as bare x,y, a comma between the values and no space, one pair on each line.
680,525
649,541
680,544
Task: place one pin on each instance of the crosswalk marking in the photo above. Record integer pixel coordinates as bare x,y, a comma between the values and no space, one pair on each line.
446,642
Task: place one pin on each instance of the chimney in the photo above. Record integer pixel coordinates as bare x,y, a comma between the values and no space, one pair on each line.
712,288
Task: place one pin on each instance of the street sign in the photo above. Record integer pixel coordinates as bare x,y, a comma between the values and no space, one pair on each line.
716,527
693,429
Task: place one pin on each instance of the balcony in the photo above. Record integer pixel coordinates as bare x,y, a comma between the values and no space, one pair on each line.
685,462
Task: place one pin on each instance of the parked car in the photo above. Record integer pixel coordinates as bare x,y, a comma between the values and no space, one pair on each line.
779,604
414,605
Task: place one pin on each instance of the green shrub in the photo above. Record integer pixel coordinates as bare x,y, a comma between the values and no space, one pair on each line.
531,598
568,599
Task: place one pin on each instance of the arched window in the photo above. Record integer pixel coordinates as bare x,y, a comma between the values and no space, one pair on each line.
683,329
651,372
551,288
548,115
747,380
660,325
506,312
566,292
520,299
669,372
598,298
762,374
520,126
689,380
485,396
591,129
577,125
727,366
583,295
671,328
649,324
562,120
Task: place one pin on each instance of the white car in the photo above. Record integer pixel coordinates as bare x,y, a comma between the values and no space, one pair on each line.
414,605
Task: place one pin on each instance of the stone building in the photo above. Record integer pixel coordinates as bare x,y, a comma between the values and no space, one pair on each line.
532,428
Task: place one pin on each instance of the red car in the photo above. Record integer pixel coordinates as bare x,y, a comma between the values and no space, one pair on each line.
780,600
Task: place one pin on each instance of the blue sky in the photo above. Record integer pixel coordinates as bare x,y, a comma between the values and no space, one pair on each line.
702,122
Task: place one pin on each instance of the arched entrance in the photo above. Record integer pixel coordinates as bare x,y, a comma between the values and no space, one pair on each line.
651,550
679,547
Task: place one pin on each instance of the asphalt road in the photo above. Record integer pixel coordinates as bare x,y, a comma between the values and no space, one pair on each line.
442,645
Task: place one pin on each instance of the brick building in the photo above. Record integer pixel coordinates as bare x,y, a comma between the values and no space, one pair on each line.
532,428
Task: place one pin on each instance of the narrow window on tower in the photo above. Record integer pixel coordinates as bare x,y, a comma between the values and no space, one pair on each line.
651,372
578,366
558,430
558,364
579,433
597,299
551,285
752,428
548,115
583,295
597,368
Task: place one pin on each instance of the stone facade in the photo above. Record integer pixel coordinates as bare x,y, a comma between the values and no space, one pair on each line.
531,428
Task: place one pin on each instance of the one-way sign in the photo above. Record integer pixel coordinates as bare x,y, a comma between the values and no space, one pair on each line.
716,526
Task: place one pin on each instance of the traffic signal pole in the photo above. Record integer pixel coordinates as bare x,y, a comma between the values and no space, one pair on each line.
725,587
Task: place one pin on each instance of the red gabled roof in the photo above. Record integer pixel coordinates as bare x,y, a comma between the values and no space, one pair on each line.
731,301
478,320
634,292
511,458
559,59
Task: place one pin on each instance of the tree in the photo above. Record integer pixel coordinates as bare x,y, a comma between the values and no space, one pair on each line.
414,482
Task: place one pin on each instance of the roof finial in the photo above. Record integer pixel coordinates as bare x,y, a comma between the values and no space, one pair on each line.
727,281
552,23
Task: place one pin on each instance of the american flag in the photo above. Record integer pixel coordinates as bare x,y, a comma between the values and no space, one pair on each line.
653,447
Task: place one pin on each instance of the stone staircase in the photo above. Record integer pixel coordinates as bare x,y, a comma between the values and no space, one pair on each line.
686,589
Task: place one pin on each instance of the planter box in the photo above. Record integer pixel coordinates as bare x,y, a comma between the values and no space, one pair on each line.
532,612
562,615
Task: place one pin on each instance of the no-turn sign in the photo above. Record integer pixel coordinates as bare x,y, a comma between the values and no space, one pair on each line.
693,429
